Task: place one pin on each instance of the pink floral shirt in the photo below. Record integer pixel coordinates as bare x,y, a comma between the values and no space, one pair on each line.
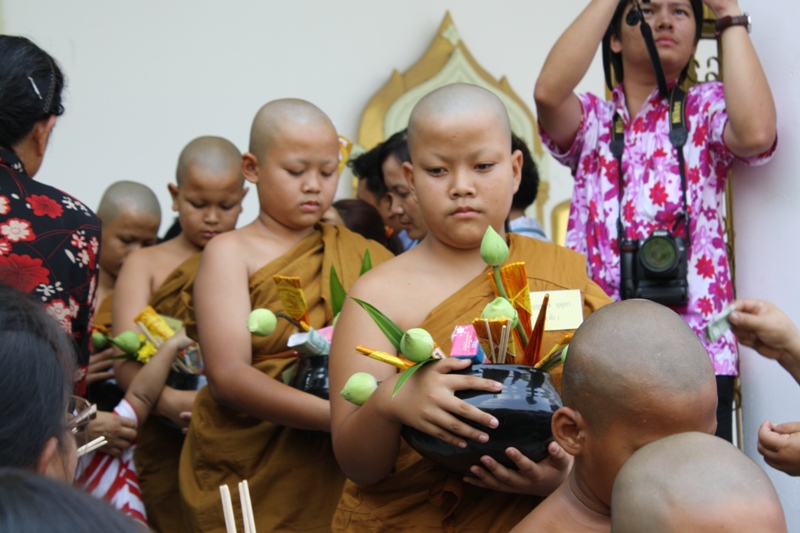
652,197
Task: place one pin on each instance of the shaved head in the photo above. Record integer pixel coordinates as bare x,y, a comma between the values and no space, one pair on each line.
213,154
694,482
127,196
276,115
457,100
629,355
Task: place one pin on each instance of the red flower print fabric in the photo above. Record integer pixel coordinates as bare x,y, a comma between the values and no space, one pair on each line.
652,196
49,243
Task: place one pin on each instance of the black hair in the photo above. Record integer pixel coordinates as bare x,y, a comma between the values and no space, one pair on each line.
367,166
612,59
173,231
30,88
529,184
362,218
38,363
39,504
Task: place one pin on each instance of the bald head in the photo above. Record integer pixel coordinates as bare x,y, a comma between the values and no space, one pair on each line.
694,482
274,116
457,100
213,154
127,196
631,354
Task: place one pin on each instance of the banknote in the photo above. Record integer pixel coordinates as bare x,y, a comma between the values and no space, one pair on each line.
717,327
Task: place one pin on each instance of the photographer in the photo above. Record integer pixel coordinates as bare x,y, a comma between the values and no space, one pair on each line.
670,222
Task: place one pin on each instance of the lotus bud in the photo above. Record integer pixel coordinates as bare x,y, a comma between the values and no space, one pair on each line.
99,341
359,388
416,345
494,250
261,322
127,341
501,308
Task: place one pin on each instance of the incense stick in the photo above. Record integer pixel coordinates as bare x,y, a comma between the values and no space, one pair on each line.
227,509
99,442
247,508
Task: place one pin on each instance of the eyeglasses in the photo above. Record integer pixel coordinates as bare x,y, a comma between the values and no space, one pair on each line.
79,413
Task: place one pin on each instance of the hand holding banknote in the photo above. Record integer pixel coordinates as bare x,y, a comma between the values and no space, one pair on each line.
768,330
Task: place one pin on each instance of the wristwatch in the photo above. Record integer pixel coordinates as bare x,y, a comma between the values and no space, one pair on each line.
727,22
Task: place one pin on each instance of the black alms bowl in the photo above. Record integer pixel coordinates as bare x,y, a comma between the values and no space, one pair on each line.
523,409
312,376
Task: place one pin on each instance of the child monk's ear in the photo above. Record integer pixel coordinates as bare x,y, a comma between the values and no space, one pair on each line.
250,167
173,191
408,173
516,166
569,430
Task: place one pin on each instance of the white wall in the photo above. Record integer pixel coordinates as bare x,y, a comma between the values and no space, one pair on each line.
767,219
146,77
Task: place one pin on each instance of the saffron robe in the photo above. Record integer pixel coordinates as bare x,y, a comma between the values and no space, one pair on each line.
295,482
102,316
421,497
158,450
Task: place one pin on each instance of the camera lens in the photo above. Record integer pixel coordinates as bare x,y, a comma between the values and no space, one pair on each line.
658,254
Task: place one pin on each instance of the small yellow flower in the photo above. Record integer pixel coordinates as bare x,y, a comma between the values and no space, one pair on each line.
146,351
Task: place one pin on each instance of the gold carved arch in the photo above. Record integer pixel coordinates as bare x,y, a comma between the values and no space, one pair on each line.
447,60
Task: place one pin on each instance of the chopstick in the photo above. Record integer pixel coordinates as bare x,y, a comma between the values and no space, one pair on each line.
247,508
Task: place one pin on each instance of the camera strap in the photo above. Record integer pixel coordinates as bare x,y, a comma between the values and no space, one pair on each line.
678,135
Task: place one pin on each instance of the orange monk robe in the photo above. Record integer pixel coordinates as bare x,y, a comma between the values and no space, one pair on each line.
295,482
102,315
418,496
158,450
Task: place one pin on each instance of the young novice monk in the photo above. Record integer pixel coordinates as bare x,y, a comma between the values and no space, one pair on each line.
247,424
208,198
129,219
464,174
635,372
694,482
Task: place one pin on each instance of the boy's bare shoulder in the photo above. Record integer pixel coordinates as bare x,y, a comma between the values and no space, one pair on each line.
562,512
153,259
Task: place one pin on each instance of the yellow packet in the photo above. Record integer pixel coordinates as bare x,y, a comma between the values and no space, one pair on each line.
153,326
291,294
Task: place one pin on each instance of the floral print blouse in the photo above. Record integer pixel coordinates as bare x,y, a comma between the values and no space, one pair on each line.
49,244
653,199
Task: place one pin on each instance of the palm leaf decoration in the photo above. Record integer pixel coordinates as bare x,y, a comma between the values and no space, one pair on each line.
338,293
389,328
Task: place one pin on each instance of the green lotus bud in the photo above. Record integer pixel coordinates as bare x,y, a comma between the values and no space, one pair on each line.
261,322
99,341
359,388
127,341
416,345
494,250
501,308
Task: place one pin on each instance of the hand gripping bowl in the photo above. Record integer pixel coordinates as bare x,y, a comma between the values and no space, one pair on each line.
523,409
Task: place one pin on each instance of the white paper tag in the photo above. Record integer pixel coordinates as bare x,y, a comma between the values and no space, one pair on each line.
564,309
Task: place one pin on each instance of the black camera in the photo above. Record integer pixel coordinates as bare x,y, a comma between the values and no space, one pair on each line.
655,268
